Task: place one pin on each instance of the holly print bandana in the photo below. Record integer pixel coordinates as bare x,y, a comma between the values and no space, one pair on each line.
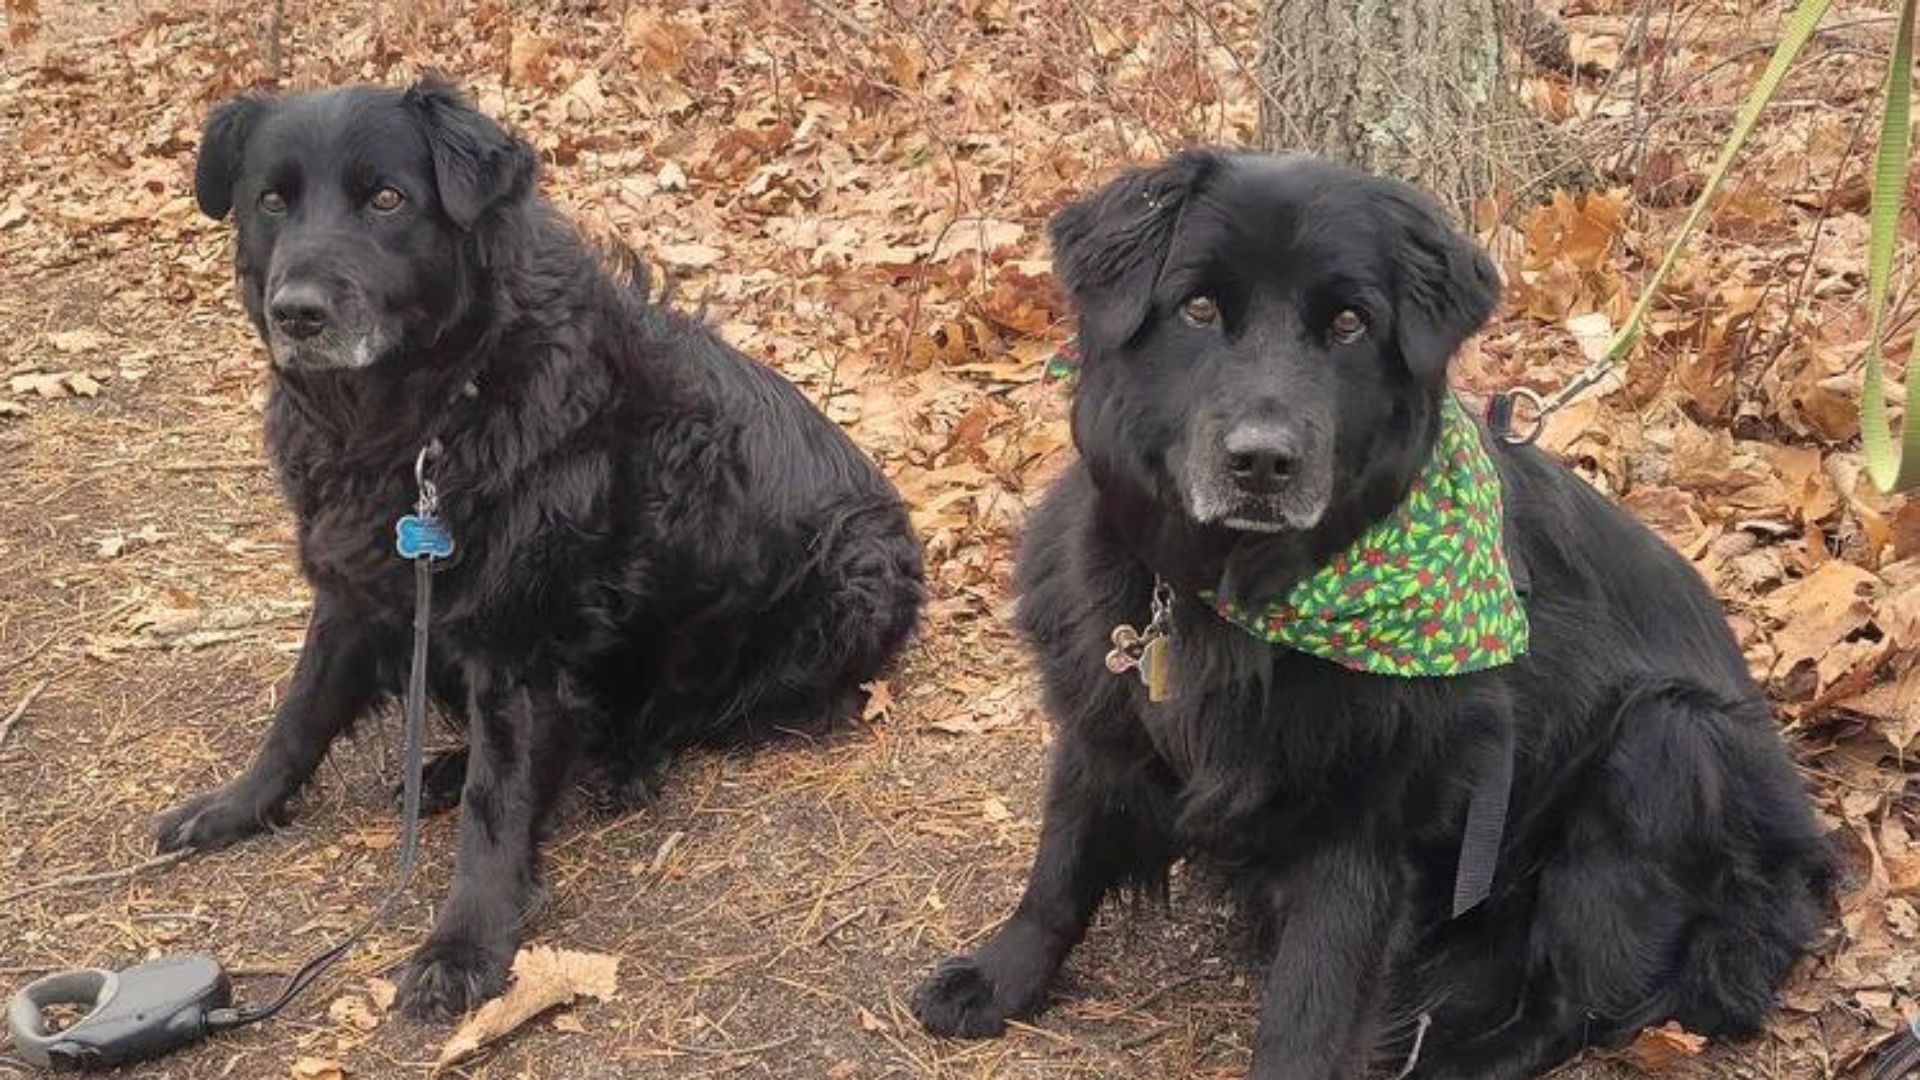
1425,591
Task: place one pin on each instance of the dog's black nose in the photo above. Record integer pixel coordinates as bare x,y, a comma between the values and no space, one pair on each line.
299,310
1261,457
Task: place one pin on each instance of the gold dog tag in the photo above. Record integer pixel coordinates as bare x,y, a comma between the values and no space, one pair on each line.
1157,665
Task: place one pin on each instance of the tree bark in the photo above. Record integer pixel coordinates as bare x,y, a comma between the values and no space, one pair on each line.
1409,88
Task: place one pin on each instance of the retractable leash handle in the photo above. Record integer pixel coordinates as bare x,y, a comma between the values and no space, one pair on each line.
162,1005
142,1012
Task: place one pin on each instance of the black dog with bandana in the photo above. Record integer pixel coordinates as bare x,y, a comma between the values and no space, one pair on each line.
655,540
1397,661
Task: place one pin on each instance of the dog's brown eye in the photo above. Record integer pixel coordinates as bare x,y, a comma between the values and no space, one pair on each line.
1348,327
1200,311
386,200
271,202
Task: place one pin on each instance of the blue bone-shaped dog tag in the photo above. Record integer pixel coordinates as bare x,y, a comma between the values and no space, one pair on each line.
415,536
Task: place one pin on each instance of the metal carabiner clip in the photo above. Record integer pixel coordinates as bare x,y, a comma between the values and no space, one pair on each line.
142,1012
1512,424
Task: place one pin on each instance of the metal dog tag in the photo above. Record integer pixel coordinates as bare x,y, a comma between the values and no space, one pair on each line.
1156,667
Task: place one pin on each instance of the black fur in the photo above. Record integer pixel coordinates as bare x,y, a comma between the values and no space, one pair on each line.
1660,859
659,541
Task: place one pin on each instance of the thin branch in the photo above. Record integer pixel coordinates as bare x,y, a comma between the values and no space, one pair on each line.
97,877
6,726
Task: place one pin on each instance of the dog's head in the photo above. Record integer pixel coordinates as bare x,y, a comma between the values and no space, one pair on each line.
1258,331
358,211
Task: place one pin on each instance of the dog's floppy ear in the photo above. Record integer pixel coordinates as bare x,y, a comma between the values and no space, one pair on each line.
1108,247
477,164
223,145
1445,287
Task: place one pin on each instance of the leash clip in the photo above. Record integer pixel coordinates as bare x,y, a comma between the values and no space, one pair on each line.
421,534
145,1011
1512,424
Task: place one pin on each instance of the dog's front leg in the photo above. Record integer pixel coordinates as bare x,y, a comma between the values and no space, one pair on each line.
1336,918
520,746
1106,822
334,682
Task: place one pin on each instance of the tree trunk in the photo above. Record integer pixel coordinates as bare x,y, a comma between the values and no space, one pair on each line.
1409,88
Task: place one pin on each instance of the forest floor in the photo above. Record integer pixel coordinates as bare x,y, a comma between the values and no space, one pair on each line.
856,192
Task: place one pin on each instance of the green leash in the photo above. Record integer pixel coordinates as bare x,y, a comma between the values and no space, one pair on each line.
1892,468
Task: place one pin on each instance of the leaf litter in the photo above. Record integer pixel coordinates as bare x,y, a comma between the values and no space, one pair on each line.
859,196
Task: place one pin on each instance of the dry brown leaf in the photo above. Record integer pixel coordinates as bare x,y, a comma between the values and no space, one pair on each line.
46,385
351,1010
1895,708
1819,612
543,977
317,1068
879,701
1663,1047
72,342
383,992
689,256
23,20
527,63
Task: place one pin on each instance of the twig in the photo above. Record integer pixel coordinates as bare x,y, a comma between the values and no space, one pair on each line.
846,21
723,1051
21,661
96,878
226,465
6,726
839,924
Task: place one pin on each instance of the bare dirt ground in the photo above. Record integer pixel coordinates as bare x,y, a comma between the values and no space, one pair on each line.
856,192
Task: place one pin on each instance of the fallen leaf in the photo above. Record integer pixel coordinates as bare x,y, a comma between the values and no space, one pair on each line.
34,382
383,993
527,59
1819,612
73,342
1593,331
351,1010
690,256
1895,706
569,1023
543,977
879,701
1663,1047
318,1068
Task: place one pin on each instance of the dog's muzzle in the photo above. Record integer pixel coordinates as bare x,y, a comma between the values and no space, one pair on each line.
309,328
1260,475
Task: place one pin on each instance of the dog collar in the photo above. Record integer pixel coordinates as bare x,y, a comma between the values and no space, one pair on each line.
1426,591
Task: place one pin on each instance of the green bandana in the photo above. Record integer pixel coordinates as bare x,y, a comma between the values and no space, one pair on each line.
1425,591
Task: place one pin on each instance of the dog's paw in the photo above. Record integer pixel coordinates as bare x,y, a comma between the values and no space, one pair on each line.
959,999
215,819
443,778
447,978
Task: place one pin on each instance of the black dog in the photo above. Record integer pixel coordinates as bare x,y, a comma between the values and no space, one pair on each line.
658,541
1266,345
